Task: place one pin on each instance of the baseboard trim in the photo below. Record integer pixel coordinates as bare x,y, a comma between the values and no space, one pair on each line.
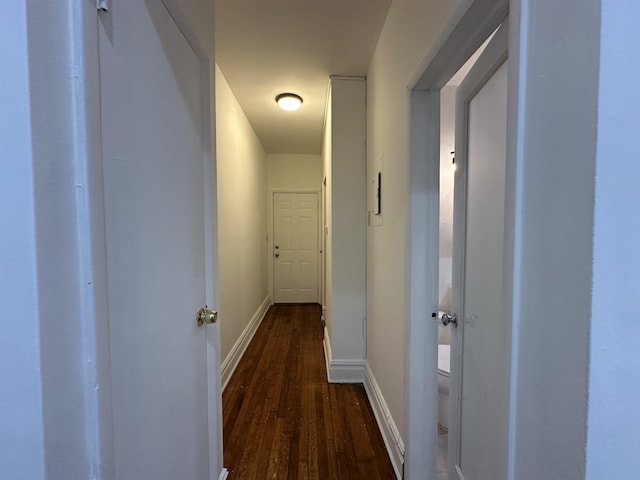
326,343
231,362
223,474
341,370
386,424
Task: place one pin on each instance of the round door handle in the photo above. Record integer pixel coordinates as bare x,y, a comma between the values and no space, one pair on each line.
277,255
449,319
206,317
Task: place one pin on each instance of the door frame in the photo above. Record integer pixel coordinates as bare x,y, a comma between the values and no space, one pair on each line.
92,259
475,23
323,252
270,245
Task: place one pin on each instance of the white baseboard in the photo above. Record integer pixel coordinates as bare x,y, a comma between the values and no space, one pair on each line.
326,343
341,370
223,474
388,428
231,362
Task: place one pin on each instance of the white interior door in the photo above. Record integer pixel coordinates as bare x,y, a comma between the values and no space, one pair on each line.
479,400
295,247
159,242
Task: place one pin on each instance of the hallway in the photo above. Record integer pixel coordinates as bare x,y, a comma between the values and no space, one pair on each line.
283,420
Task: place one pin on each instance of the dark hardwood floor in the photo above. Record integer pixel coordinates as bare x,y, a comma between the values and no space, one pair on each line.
283,420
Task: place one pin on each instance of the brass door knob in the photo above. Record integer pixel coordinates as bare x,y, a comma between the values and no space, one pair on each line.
206,317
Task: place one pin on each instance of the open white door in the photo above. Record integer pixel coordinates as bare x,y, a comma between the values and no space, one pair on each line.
159,219
480,343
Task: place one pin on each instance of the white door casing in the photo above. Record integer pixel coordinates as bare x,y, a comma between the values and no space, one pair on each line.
160,245
295,247
323,246
481,343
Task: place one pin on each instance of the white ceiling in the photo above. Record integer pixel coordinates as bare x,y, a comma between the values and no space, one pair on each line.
266,47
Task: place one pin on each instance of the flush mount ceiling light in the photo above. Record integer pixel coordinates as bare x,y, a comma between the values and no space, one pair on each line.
289,101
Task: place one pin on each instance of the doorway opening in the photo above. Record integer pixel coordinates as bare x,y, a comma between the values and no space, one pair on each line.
447,175
445,269
425,293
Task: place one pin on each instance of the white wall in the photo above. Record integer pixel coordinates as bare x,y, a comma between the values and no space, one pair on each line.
294,171
614,381
21,420
45,401
328,210
346,310
408,36
551,152
242,216
576,258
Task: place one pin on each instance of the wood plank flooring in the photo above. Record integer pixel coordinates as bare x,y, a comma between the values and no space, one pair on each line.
283,420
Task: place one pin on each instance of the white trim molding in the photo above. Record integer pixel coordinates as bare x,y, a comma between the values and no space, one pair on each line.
386,424
231,361
223,474
326,343
342,370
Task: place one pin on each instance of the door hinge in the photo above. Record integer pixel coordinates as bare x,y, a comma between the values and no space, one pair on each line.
102,5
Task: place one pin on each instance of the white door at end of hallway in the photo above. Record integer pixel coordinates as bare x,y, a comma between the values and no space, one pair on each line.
295,247
159,242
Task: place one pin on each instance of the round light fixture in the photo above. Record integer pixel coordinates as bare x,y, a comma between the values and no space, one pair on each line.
289,101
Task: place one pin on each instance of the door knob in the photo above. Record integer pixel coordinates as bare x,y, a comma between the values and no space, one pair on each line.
206,316
277,247
277,255
449,319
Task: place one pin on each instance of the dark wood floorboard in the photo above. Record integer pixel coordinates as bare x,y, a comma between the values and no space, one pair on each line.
283,420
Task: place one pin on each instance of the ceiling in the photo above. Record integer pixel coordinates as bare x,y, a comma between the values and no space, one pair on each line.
268,47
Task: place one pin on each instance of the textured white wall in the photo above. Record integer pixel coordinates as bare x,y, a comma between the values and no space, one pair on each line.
242,216
45,358
550,197
614,383
21,421
408,36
